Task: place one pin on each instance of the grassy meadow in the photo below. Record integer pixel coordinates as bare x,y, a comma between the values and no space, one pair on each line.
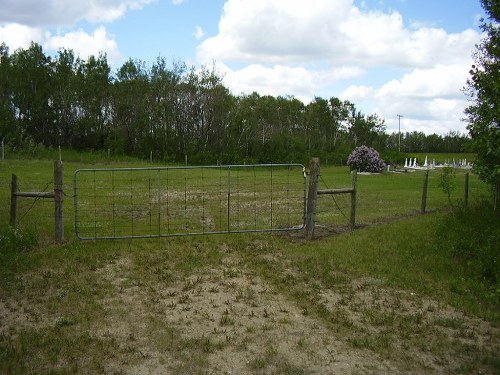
401,293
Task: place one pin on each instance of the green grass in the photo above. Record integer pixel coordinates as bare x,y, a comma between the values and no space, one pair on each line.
403,293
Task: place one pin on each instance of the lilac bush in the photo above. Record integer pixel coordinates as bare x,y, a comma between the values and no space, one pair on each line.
365,159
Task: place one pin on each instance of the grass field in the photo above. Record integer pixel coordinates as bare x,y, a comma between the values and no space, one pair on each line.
386,298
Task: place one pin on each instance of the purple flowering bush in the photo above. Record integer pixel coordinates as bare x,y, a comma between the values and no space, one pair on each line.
365,159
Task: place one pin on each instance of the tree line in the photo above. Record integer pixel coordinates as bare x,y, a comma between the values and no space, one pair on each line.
174,110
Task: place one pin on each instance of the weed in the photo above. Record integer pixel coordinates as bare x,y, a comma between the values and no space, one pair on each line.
16,239
63,321
447,181
226,320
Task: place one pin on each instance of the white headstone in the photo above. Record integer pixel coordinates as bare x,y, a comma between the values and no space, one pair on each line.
414,162
425,162
406,163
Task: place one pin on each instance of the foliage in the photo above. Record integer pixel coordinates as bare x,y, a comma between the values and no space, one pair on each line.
176,110
471,236
447,181
16,239
484,88
365,159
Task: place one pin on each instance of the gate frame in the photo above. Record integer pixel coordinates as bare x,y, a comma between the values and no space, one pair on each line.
228,168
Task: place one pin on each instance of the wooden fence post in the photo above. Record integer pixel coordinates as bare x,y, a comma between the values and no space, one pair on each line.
424,192
353,198
466,190
312,197
13,201
58,199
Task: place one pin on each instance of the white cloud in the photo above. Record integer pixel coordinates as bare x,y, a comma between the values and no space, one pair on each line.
298,31
283,80
19,36
83,44
198,32
357,93
441,80
430,99
37,13
286,47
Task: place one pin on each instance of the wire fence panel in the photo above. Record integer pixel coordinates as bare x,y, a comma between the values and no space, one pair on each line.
175,201
385,196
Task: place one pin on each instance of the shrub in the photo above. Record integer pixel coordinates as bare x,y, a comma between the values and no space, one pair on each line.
16,239
365,159
447,181
471,235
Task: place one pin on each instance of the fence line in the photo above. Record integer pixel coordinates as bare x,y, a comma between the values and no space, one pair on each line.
171,201
396,194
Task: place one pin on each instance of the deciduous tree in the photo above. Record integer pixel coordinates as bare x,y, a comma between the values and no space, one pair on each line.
483,114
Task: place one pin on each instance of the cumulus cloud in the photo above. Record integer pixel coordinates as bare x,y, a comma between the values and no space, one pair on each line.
298,31
17,36
83,44
429,99
35,13
198,32
441,80
296,46
284,80
357,93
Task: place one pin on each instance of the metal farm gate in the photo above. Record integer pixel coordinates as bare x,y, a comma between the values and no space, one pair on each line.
176,201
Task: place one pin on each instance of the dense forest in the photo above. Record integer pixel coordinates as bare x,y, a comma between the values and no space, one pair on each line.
175,110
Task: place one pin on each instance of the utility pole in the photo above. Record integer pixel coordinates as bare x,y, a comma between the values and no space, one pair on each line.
399,132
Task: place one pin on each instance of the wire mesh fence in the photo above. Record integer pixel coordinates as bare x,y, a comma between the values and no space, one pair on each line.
175,201
182,200
381,197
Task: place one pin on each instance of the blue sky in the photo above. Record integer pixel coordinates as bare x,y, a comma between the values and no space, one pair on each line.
408,57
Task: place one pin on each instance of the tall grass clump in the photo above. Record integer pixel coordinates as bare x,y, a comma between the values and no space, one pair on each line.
16,240
471,235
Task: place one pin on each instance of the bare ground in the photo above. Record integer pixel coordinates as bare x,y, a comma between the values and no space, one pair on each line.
228,319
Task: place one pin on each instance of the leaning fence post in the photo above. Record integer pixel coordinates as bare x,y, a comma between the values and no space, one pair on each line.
424,192
58,199
312,197
466,190
13,201
352,220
